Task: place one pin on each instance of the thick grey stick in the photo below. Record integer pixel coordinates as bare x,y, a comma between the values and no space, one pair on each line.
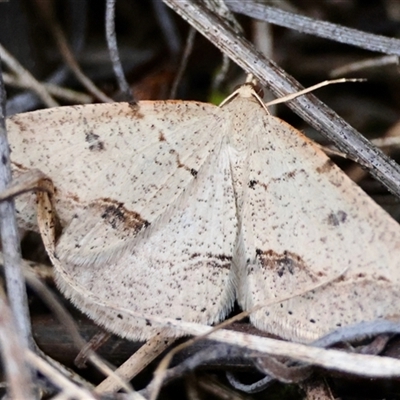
327,30
10,245
312,110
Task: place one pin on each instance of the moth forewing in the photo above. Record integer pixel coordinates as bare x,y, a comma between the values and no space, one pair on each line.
179,266
149,251
115,152
304,222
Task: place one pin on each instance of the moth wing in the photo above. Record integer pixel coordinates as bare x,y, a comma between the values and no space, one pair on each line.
124,163
303,222
178,267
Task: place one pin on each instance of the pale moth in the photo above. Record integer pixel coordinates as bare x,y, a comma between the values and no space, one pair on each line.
177,208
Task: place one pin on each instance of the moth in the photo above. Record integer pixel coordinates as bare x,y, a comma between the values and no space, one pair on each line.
179,208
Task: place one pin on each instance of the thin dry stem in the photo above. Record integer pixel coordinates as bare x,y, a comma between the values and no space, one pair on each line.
136,363
60,92
68,387
12,352
27,78
113,50
185,58
67,54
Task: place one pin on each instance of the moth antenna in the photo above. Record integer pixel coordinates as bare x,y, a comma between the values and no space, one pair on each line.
248,89
312,88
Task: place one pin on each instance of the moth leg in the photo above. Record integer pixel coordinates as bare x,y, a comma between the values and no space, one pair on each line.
47,220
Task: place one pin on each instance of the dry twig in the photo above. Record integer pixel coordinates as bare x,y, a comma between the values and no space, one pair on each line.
12,255
113,50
